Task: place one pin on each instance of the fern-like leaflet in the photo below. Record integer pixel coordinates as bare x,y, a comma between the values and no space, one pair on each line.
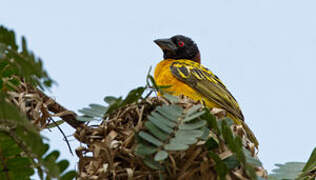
171,128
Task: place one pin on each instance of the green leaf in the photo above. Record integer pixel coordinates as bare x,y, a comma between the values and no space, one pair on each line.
19,168
167,130
44,148
311,163
228,136
193,116
220,167
193,109
231,162
21,64
7,73
171,98
235,145
211,120
172,112
176,147
161,155
115,105
10,114
205,134
250,159
261,178
18,163
99,108
211,144
63,164
32,139
289,170
164,120
8,146
111,99
14,81
2,51
145,150
52,156
3,63
251,172
160,125
153,164
91,112
134,95
191,126
189,133
150,138
97,111
152,81
183,140
155,131
70,175
1,84
227,120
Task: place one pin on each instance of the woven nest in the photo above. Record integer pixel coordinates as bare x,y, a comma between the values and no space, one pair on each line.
110,148
30,103
38,107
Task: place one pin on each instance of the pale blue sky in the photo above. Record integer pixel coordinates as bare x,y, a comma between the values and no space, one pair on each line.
264,51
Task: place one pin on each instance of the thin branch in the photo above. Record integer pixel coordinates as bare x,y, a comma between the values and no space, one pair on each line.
65,137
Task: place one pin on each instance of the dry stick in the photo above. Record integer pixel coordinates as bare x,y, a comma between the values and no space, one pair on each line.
57,108
189,162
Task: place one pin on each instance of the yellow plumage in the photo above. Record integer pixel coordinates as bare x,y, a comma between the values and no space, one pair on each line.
164,77
193,80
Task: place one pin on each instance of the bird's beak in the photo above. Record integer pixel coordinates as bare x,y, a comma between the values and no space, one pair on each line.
166,45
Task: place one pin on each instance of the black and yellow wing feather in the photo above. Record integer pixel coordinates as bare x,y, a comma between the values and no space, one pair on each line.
210,87
207,84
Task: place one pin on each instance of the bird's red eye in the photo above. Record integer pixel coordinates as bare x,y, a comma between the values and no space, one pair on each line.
181,43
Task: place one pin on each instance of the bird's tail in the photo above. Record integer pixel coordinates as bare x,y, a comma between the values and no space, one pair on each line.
249,133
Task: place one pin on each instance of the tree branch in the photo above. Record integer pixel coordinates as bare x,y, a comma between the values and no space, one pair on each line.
54,107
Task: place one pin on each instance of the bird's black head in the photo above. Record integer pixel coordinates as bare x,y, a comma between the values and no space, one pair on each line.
179,47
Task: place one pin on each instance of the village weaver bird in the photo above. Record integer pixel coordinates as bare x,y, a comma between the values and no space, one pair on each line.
182,71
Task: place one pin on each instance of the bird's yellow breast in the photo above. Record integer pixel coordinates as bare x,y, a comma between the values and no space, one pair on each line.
164,77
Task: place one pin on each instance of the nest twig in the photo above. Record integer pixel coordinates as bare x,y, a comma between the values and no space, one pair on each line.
109,151
39,108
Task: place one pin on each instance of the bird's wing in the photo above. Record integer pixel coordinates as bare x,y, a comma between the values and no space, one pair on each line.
207,84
